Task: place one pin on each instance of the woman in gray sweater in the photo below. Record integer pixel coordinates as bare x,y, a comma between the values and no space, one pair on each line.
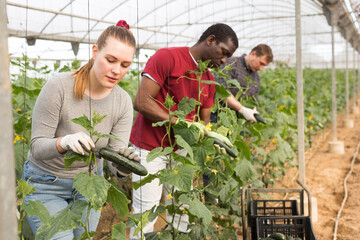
94,87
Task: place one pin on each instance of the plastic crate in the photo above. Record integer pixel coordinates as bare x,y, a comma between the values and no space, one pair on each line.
294,226
258,208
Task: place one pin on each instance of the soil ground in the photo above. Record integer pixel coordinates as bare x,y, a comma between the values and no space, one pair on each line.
325,174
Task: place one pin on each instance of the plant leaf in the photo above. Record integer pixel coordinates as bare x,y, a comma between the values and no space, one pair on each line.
94,188
118,200
71,157
96,119
181,178
158,152
119,231
244,170
66,219
23,188
198,209
182,143
187,105
37,208
84,122
144,181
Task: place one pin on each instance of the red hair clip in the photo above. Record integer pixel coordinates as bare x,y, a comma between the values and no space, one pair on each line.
123,23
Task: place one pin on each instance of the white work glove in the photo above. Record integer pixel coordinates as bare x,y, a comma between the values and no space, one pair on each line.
248,113
129,153
79,142
119,170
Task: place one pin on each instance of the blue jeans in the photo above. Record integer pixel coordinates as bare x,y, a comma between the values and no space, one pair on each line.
56,193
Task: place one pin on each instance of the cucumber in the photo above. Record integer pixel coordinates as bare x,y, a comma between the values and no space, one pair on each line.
278,236
259,118
117,158
231,152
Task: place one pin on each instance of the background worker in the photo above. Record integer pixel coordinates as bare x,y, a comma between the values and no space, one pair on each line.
245,69
167,72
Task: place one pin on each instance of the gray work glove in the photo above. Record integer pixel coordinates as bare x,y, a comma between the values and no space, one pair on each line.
79,142
248,113
119,170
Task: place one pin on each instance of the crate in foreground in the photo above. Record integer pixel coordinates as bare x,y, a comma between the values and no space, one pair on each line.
294,226
258,208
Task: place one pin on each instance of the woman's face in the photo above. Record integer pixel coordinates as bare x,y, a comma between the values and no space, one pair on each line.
112,62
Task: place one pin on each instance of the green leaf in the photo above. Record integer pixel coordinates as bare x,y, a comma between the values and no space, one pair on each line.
119,231
161,123
180,178
144,181
203,65
94,188
189,134
84,122
244,170
244,149
118,200
187,105
97,118
202,150
182,143
221,92
198,209
23,188
169,102
101,135
71,157
158,152
142,223
66,219
37,208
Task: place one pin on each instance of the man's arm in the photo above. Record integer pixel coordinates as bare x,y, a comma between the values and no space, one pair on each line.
233,103
145,103
205,114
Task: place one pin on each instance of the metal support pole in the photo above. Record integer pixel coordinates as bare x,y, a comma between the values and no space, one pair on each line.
8,221
300,93
354,79
333,82
347,79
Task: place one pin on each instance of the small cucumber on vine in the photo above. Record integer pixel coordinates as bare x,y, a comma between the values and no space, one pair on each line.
117,158
230,151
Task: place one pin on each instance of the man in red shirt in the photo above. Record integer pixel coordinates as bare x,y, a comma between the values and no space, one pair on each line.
168,72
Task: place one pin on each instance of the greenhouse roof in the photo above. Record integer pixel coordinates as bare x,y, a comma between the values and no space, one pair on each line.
163,23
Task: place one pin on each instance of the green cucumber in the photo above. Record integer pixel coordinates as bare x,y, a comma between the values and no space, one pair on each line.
231,152
259,118
117,158
278,236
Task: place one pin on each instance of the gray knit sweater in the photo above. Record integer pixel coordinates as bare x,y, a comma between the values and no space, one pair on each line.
56,105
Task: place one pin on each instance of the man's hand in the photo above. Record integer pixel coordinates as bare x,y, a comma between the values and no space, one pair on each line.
79,142
248,113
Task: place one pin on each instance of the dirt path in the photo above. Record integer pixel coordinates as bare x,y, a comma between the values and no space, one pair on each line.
325,174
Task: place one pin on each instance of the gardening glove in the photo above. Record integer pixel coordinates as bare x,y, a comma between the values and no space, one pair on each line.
129,153
248,113
121,171
79,143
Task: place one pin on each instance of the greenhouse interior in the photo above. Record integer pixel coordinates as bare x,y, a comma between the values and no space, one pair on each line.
168,119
